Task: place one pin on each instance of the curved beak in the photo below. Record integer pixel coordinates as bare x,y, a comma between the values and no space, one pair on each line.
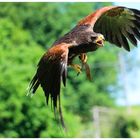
100,41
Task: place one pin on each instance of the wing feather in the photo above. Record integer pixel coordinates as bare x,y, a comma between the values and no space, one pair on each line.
136,33
118,24
52,68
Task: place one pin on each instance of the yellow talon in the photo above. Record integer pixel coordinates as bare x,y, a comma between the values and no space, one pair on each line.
83,57
76,67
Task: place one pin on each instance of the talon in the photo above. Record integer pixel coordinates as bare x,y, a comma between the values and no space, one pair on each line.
77,68
83,58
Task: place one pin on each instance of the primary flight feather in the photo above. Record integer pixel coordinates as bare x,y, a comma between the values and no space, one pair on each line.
115,24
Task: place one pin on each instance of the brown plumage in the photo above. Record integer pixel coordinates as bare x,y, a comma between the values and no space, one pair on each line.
114,24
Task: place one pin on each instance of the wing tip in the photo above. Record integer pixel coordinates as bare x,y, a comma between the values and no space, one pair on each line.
29,92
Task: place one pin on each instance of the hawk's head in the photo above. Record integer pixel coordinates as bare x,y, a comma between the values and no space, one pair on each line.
98,39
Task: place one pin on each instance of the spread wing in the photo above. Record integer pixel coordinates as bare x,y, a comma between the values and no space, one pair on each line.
52,68
117,24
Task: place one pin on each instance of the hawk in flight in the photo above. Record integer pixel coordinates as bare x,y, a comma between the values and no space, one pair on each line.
115,24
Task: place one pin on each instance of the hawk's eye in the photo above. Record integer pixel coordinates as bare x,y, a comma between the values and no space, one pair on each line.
93,38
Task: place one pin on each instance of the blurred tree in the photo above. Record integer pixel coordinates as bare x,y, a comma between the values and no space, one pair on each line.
124,127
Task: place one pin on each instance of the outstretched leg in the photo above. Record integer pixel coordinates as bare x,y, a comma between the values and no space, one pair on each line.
78,68
83,59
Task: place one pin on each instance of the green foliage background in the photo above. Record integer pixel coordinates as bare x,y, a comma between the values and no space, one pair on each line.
26,31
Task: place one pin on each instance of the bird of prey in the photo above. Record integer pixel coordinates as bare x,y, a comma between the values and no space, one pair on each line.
115,24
